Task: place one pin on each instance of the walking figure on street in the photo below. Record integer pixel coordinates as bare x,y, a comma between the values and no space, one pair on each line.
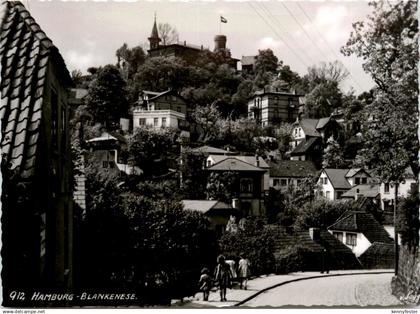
205,283
244,272
223,276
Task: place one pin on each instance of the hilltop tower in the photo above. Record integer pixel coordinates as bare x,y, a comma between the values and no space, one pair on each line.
220,43
154,37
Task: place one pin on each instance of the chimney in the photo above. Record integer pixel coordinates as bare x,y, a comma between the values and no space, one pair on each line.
235,203
185,42
257,161
314,233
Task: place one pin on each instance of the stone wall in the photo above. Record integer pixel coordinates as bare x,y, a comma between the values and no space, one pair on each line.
406,286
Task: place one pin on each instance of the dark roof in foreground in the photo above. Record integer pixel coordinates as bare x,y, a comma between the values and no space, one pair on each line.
292,168
209,207
25,52
210,150
304,146
363,222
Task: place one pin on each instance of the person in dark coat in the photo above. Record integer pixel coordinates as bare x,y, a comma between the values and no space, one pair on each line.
223,276
205,283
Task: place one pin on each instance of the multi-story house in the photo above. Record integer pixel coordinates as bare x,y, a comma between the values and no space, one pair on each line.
271,107
287,173
309,137
387,190
249,186
37,207
333,183
359,231
160,110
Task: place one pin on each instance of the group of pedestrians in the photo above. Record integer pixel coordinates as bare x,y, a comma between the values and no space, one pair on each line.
224,274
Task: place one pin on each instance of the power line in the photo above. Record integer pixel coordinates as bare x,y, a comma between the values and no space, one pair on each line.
276,21
277,34
327,44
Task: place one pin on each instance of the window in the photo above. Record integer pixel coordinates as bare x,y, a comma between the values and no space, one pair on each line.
364,180
296,131
178,109
356,181
105,164
54,119
325,181
386,187
111,164
163,122
283,182
275,182
338,236
208,163
155,122
351,239
298,181
142,121
327,194
339,194
246,185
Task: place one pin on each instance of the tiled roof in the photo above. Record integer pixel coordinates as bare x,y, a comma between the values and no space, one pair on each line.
304,146
25,52
341,254
205,206
353,171
322,123
309,127
248,159
292,168
367,190
210,150
248,60
338,178
234,164
362,222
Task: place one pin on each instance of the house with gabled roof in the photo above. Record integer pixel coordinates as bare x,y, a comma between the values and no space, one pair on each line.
160,110
359,230
250,184
317,246
333,183
286,173
309,137
37,206
217,212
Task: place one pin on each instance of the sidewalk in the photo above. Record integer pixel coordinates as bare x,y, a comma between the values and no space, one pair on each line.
257,285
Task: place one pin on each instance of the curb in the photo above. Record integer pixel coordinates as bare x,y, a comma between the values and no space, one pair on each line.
306,278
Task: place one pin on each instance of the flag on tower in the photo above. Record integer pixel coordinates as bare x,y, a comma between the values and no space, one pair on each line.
222,19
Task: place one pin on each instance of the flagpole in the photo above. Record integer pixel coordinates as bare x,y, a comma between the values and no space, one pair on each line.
220,24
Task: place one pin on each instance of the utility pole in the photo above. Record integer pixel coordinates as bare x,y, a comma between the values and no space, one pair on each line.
396,257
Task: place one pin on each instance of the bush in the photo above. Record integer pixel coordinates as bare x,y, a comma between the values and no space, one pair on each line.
293,259
255,242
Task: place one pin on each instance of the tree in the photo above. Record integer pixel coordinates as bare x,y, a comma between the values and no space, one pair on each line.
323,99
388,44
129,60
222,186
266,61
333,155
208,119
106,98
168,34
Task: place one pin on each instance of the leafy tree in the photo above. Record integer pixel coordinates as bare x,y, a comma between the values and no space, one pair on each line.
289,77
323,99
160,74
408,220
222,186
388,44
209,120
322,213
193,174
151,149
168,34
266,61
333,155
106,98
255,241
129,60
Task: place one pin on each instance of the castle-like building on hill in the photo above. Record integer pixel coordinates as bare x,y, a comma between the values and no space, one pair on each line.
189,53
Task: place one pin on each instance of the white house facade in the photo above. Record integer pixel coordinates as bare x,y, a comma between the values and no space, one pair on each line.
157,118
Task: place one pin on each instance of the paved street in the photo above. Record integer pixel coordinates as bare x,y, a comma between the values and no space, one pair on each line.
355,290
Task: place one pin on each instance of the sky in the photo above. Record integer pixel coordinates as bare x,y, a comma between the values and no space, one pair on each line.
301,34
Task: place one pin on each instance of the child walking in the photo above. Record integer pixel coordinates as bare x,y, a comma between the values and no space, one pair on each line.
205,283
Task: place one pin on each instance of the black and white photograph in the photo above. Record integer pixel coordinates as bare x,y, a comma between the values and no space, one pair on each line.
209,154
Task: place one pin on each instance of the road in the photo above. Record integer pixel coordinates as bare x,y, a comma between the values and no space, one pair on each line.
352,290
